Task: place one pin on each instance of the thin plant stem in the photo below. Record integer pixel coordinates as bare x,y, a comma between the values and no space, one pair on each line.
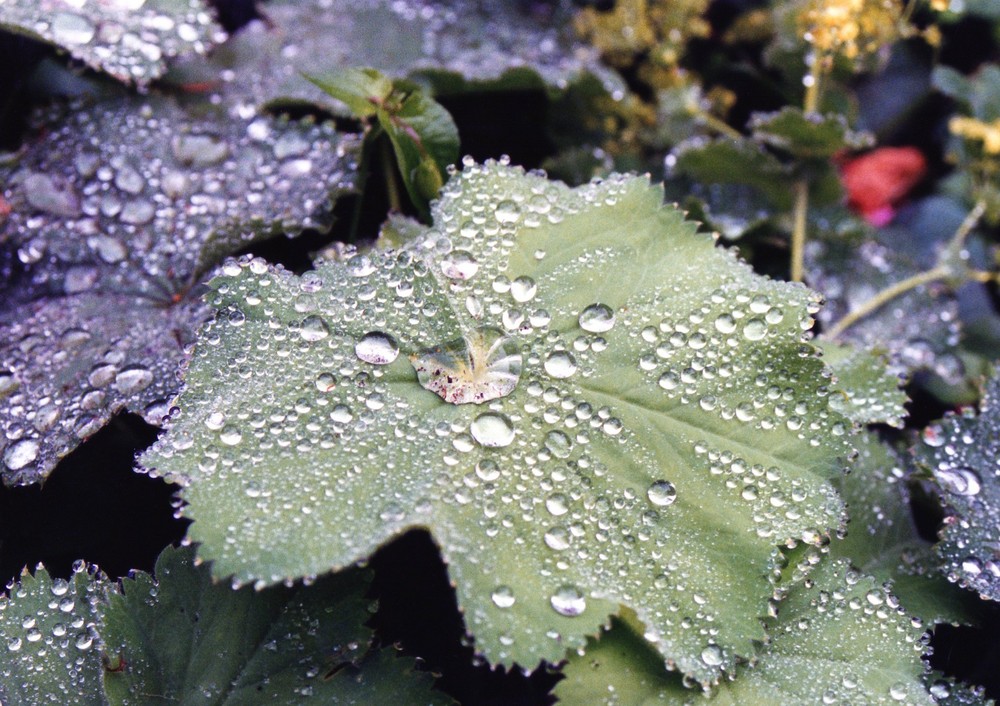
941,271
392,186
720,126
801,208
887,295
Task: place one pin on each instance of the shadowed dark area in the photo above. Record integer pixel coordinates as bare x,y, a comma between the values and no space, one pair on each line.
94,507
418,610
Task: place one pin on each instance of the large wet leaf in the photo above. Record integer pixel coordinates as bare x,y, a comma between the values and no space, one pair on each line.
585,402
180,638
961,453
883,542
452,45
117,211
840,638
129,39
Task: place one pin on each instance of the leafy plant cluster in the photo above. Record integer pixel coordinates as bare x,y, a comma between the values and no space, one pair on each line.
723,432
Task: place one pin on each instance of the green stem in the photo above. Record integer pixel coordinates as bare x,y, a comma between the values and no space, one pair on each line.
362,178
392,186
720,126
799,229
887,295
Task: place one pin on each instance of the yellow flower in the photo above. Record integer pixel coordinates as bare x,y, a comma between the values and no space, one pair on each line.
849,27
972,129
940,5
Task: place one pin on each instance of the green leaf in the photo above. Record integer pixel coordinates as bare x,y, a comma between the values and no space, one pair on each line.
632,418
947,692
882,540
865,389
48,637
118,210
813,136
361,90
132,45
960,452
839,638
425,141
181,638
729,161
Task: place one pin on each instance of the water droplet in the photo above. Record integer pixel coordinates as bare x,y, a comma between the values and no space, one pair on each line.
20,454
558,444
377,348
133,379
959,480
459,264
313,328
897,692
492,430
73,29
662,493
568,601
507,212
725,323
712,656
503,597
597,318
523,289
557,504
230,435
557,538
560,364
481,366
755,329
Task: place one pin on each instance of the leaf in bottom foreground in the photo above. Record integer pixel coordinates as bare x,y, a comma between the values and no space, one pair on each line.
182,639
839,638
586,402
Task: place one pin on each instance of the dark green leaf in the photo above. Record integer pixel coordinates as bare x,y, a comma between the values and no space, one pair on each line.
812,136
729,161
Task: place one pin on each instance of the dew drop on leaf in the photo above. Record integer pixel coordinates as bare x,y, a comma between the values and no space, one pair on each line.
481,366
377,348
662,493
568,601
958,480
503,597
459,264
560,364
313,328
597,318
492,430
712,655
20,454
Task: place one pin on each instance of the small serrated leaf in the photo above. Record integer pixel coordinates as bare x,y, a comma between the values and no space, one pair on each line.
806,136
838,639
129,40
729,161
865,389
584,401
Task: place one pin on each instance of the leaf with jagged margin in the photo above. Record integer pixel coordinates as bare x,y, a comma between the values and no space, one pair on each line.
838,638
131,40
730,161
865,389
806,136
648,422
451,46
883,542
919,328
118,210
183,638
180,638
947,692
961,452
49,647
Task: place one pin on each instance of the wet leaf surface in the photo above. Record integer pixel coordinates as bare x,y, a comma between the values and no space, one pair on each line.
573,440
865,390
129,39
961,453
840,638
117,211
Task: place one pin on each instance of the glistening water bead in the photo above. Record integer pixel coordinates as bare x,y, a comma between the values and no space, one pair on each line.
377,348
481,366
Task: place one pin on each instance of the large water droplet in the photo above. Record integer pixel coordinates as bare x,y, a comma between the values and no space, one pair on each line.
70,28
377,348
597,318
523,289
959,480
568,601
313,328
492,430
560,364
712,655
481,366
662,493
20,454
459,264
133,379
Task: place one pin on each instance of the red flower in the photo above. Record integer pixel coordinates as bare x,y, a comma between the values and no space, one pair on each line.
877,180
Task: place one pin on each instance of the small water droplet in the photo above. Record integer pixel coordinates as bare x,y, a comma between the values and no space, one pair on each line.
523,289
230,435
313,328
377,348
568,601
959,480
712,655
459,264
507,212
492,430
597,318
503,597
755,329
20,454
133,379
662,493
557,504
